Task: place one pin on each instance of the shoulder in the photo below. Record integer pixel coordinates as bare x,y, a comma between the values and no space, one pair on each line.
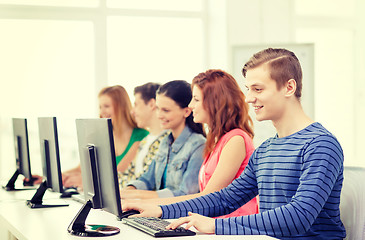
307,140
237,135
316,134
320,138
192,143
237,132
305,136
139,133
197,138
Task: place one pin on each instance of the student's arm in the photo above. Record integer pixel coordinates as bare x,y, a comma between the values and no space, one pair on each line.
230,160
144,182
322,165
128,158
73,170
227,200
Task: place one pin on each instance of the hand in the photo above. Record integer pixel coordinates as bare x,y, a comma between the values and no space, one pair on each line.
35,178
146,210
201,223
72,180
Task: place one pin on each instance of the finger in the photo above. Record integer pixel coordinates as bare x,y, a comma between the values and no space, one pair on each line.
138,215
130,206
177,223
66,183
69,183
65,178
189,225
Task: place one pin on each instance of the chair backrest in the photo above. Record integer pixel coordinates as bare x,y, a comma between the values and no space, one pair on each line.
352,204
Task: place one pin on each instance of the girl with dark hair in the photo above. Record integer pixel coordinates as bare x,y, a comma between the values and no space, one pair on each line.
219,103
175,169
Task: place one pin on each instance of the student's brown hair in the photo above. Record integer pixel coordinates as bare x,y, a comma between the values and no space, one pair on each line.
283,65
121,104
225,103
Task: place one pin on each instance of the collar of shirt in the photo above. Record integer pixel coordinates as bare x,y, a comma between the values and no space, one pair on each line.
181,139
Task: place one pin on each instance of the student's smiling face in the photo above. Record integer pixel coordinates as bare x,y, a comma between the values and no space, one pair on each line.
199,113
106,107
267,100
142,111
170,114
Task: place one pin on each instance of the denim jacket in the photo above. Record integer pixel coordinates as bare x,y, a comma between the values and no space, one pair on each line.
185,160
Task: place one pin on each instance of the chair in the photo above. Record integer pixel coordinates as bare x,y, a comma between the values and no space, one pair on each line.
352,204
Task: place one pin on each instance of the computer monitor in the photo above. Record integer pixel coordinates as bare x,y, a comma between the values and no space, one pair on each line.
21,144
52,177
99,176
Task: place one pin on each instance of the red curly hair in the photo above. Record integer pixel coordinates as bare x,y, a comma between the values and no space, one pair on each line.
225,103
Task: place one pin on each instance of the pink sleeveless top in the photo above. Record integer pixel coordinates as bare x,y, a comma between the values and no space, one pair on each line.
211,162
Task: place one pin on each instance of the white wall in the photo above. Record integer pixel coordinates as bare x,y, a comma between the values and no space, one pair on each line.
339,56
359,91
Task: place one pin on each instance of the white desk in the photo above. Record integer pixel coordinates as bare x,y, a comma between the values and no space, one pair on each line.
25,223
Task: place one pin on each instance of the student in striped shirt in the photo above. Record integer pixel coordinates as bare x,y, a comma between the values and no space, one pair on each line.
298,173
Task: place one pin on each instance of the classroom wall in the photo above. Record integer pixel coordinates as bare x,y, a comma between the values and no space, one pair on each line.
337,30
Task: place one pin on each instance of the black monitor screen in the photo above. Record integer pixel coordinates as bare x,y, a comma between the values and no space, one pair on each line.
102,186
50,156
21,144
22,160
99,175
52,178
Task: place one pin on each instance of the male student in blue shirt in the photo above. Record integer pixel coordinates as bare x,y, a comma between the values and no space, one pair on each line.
297,174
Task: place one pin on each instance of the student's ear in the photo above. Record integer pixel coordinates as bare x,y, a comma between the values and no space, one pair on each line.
187,112
290,87
152,103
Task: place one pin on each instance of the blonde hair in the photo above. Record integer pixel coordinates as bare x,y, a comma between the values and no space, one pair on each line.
121,104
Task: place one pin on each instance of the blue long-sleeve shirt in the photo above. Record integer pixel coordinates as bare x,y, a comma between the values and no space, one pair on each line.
298,179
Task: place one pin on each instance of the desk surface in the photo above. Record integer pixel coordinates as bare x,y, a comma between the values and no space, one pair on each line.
51,223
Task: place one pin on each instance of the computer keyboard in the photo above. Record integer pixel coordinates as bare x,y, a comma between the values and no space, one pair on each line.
156,227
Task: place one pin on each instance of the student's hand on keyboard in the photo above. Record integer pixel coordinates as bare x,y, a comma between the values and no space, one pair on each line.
146,210
201,223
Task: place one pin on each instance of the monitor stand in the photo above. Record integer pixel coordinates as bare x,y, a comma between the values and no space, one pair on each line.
37,200
79,228
28,185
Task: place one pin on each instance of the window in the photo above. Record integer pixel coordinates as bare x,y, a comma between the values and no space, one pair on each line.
57,54
47,70
177,5
325,8
153,49
59,3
